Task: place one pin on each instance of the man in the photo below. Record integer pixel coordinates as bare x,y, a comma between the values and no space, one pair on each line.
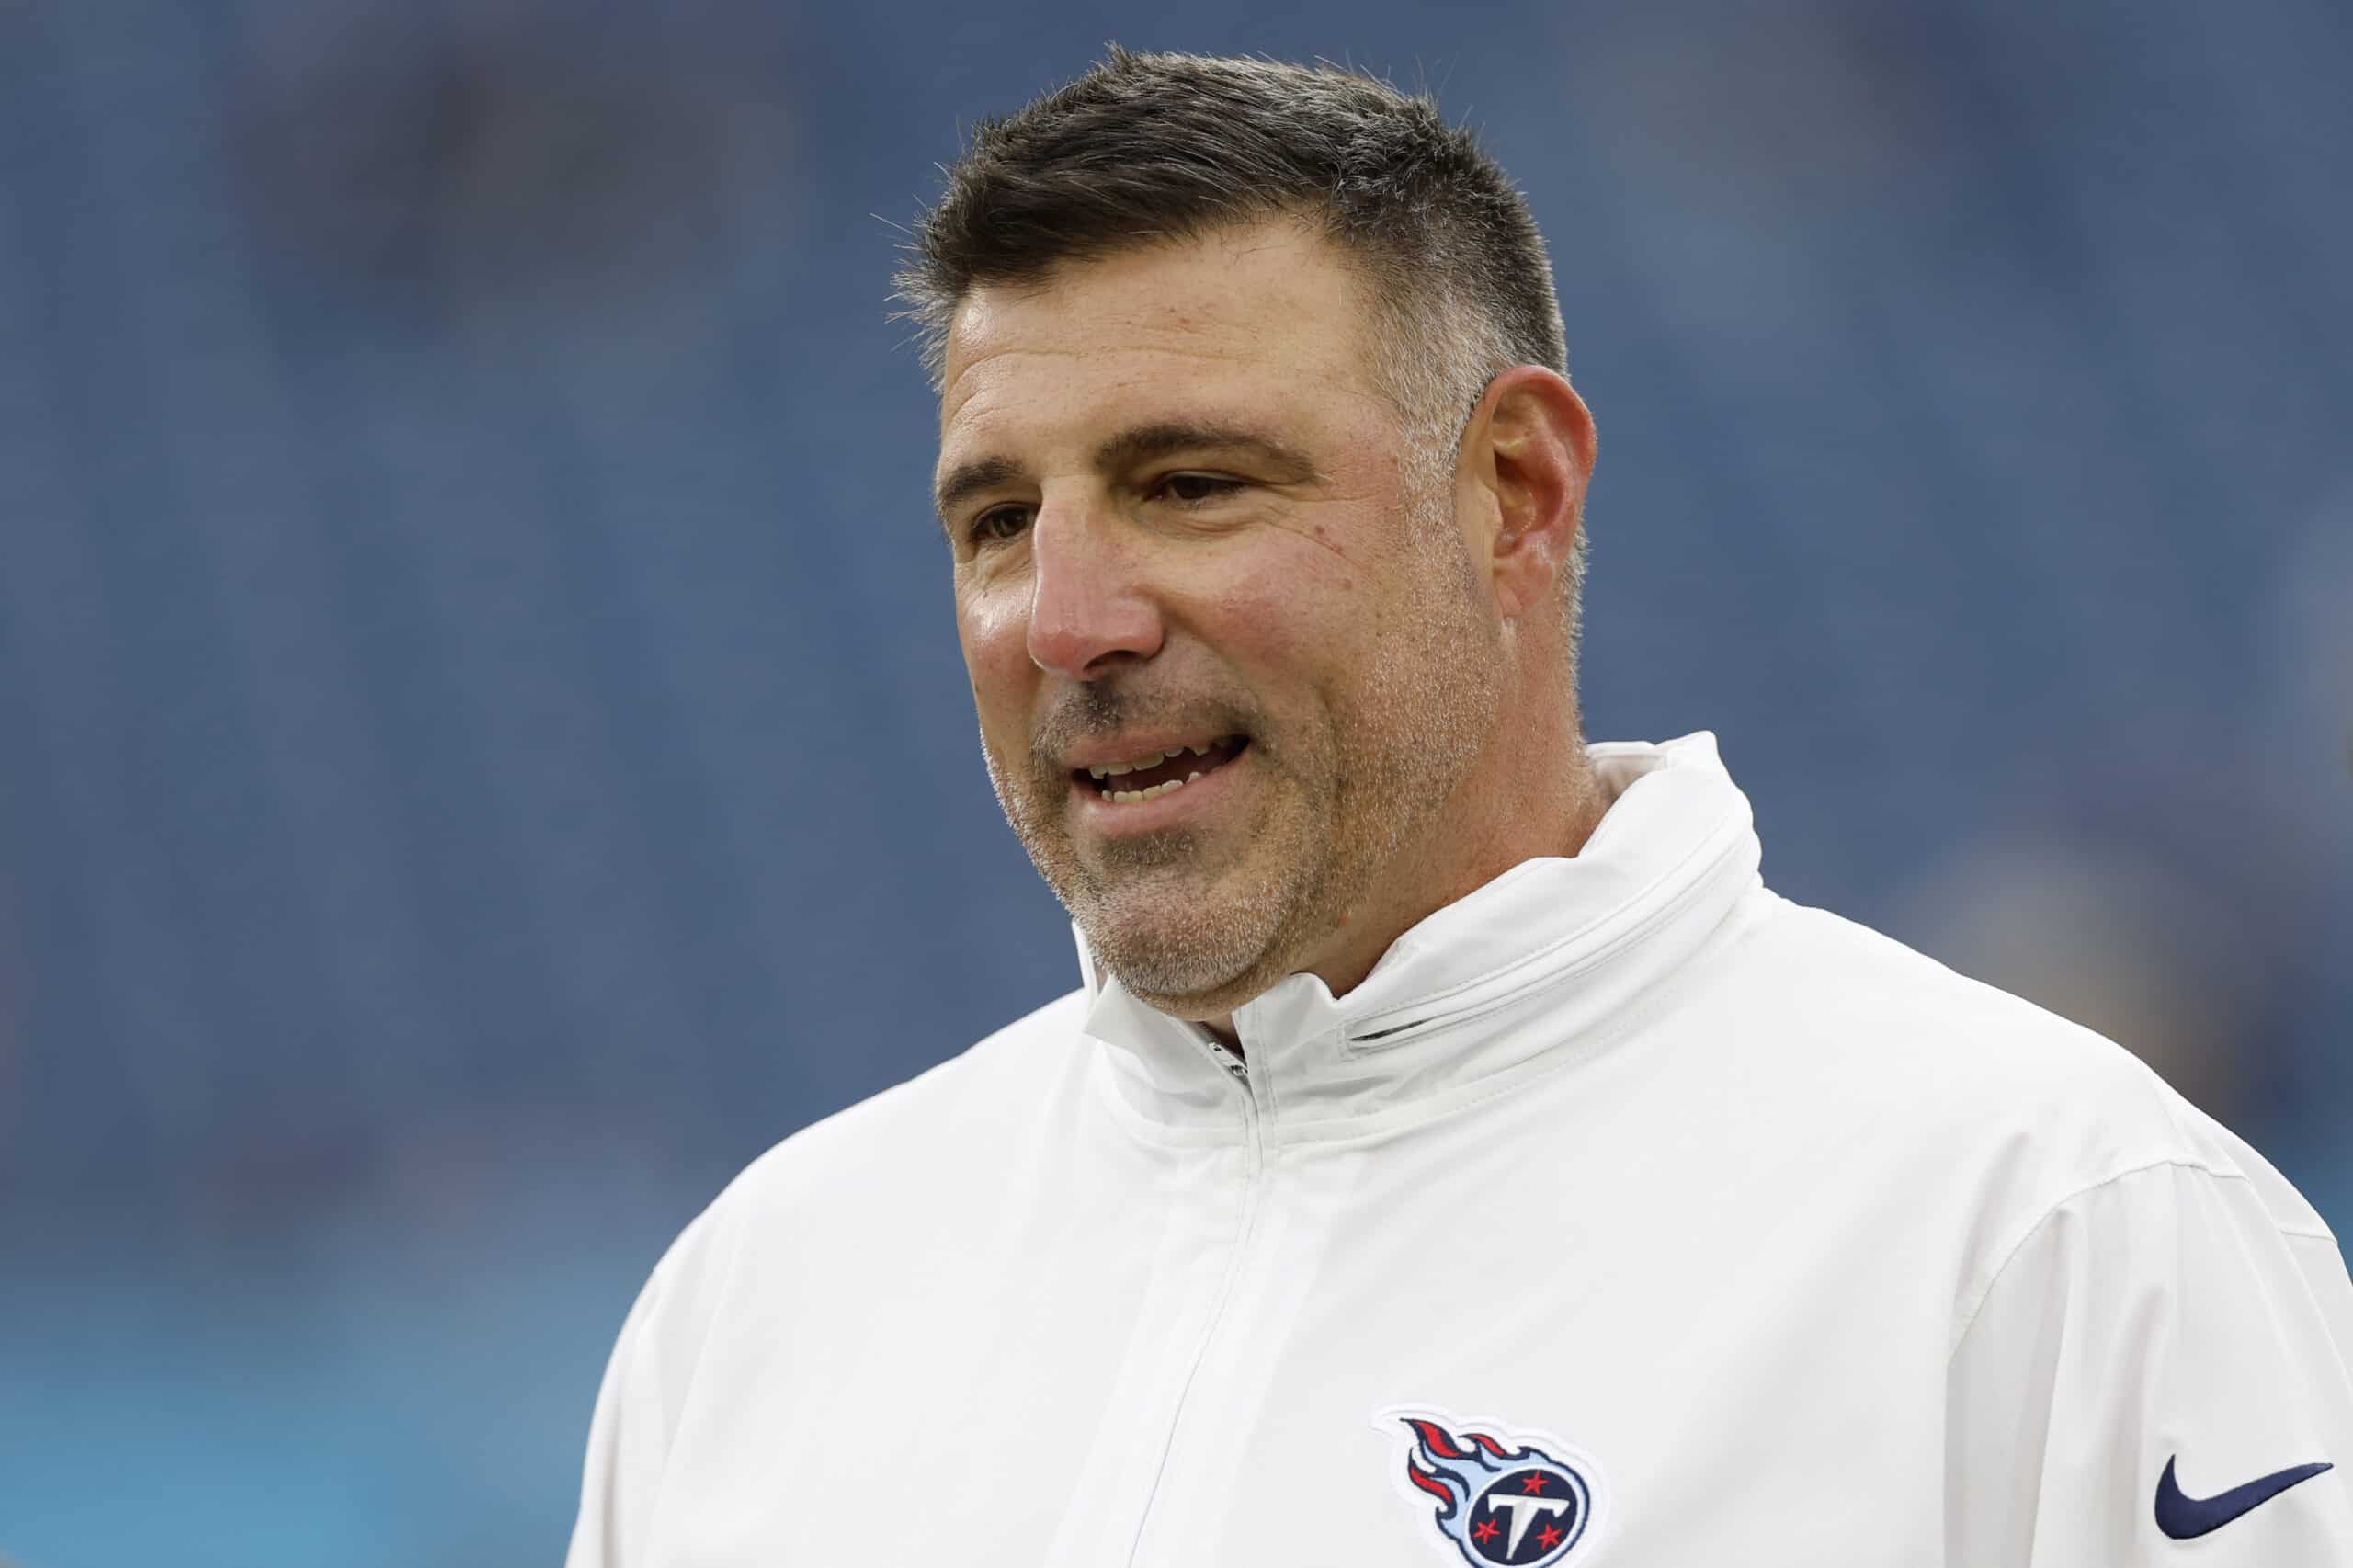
1454,1152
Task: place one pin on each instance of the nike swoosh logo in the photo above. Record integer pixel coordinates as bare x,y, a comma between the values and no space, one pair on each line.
2183,1517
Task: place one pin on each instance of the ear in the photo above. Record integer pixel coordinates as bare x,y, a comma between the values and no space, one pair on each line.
1526,456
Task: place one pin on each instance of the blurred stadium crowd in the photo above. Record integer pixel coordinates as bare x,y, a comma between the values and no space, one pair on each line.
482,751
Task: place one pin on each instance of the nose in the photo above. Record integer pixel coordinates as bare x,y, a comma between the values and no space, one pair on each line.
1090,608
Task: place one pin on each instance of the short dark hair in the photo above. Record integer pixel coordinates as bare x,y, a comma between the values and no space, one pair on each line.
1160,147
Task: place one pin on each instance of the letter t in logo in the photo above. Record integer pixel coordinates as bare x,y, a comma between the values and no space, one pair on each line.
1522,1510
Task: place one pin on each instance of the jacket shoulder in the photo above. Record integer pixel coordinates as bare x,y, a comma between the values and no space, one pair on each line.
963,1100
938,1126
2038,1106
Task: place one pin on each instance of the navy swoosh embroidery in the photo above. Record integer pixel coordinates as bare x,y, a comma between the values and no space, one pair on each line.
2183,1517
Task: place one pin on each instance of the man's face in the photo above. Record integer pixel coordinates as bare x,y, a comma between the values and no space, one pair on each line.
1182,519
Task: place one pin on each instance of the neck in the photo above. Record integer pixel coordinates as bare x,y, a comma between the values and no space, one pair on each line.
1552,817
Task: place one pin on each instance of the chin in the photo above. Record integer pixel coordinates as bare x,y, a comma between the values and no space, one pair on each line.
1201,1007
1204,969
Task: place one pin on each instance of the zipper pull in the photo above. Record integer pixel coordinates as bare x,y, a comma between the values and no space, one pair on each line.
1237,1068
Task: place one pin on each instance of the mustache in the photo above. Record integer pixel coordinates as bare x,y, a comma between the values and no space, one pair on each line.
1106,708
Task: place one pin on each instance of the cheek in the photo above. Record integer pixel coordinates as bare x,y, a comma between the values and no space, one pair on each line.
1298,616
993,628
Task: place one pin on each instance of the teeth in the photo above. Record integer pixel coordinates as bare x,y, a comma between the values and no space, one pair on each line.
1133,796
1149,760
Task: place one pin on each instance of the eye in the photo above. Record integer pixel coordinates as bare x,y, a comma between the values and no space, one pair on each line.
999,524
1194,489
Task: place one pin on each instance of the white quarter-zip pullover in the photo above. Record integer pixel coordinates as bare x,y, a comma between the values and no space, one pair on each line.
1626,1213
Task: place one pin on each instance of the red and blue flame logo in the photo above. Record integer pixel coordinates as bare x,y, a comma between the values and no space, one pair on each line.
1503,1504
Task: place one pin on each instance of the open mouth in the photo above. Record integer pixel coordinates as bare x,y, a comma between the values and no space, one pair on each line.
1154,774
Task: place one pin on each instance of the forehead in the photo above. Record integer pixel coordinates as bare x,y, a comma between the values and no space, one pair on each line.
1267,314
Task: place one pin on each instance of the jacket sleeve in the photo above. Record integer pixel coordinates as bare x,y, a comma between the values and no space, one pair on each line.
2176,1319
638,1408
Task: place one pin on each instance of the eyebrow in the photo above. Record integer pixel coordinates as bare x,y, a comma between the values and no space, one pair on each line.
1140,443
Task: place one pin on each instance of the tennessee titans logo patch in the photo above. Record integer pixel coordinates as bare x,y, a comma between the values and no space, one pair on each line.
1502,1499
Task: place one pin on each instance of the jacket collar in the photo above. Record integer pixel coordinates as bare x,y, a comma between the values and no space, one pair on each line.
1544,956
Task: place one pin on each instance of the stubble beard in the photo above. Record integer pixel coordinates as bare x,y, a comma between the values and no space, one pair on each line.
1195,928
1177,916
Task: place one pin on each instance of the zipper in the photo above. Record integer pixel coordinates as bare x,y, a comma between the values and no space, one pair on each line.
1253,1184
1226,1057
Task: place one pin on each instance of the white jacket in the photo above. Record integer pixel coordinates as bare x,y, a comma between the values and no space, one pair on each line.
1626,1214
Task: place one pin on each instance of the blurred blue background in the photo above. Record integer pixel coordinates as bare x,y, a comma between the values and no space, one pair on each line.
483,748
